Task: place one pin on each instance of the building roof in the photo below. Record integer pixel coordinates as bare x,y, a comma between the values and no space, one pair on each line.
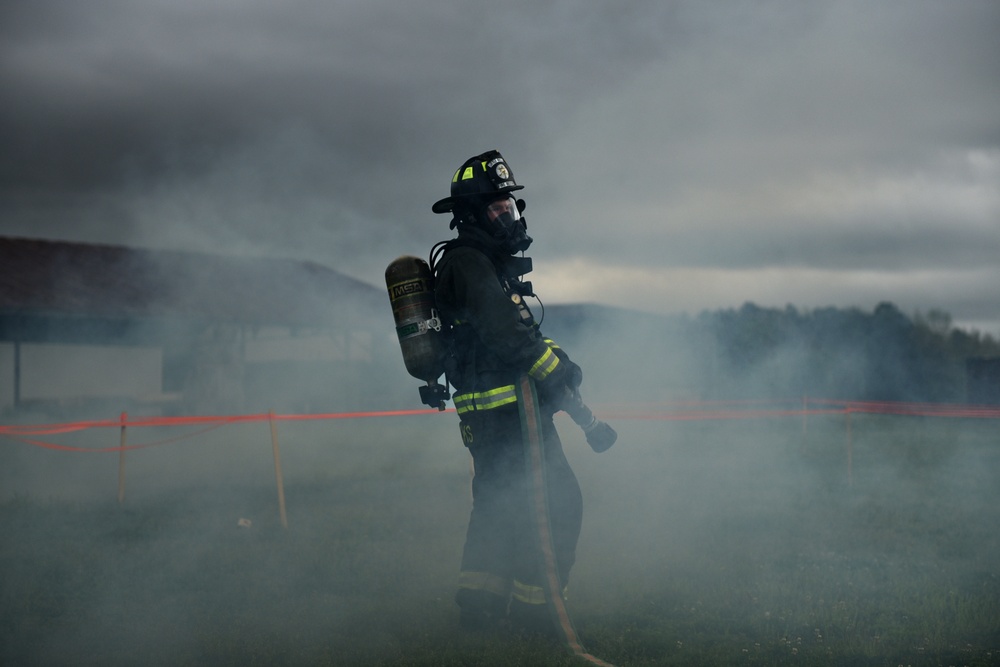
61,278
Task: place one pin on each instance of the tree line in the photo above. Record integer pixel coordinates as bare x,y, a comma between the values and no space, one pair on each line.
757,352
883,355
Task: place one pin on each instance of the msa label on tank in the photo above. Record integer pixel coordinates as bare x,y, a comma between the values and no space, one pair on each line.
405,289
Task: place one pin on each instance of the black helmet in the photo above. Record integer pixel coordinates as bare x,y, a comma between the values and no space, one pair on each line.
480,178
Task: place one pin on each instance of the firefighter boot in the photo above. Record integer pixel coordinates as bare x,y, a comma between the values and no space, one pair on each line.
532,620
481,611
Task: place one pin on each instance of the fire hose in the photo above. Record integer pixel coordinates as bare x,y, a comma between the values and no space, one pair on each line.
531,430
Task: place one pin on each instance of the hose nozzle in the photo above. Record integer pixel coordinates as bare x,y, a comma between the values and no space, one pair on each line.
600,435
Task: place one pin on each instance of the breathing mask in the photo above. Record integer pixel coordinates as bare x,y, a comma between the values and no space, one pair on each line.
503,220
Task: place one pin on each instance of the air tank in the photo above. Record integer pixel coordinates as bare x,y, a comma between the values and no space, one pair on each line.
418,327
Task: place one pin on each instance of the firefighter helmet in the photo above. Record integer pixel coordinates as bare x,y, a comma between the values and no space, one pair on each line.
480,178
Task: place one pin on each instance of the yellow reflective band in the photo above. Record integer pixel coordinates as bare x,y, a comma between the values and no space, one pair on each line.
545,365
484,581
528,594
532,594
464,403
551,343
467,174
485,400
454,179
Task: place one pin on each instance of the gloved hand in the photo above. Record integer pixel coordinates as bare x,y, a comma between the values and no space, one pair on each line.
554,389
574,376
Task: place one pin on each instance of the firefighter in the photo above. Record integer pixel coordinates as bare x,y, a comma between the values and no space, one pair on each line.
495,340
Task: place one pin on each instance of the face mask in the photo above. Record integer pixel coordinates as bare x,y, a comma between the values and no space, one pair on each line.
506,224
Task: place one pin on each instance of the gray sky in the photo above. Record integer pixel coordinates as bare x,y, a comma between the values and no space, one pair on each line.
676,156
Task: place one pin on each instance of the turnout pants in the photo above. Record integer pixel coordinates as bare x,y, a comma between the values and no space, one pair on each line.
500,560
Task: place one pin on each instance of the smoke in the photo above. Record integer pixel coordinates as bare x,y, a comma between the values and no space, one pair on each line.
724,521
811,156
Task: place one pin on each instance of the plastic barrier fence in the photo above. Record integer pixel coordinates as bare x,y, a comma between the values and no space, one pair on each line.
39,435
674,411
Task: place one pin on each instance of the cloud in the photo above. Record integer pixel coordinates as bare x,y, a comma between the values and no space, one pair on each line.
969,294
843,138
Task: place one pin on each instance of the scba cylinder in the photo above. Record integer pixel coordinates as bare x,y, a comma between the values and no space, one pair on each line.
411,295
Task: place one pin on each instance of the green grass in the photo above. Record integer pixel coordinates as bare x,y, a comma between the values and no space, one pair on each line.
736,543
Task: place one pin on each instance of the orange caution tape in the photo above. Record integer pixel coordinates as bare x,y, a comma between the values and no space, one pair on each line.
675,411
26,433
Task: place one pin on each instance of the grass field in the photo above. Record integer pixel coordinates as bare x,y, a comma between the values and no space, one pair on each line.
729,543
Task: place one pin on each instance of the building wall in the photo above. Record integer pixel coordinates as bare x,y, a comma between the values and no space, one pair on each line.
65,373
218,372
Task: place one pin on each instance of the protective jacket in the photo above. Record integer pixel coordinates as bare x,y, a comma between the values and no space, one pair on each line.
495,340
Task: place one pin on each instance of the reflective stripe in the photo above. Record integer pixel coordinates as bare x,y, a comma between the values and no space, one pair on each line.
545,365
528,594
484,581
551,343
467,173
505,395
484,400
